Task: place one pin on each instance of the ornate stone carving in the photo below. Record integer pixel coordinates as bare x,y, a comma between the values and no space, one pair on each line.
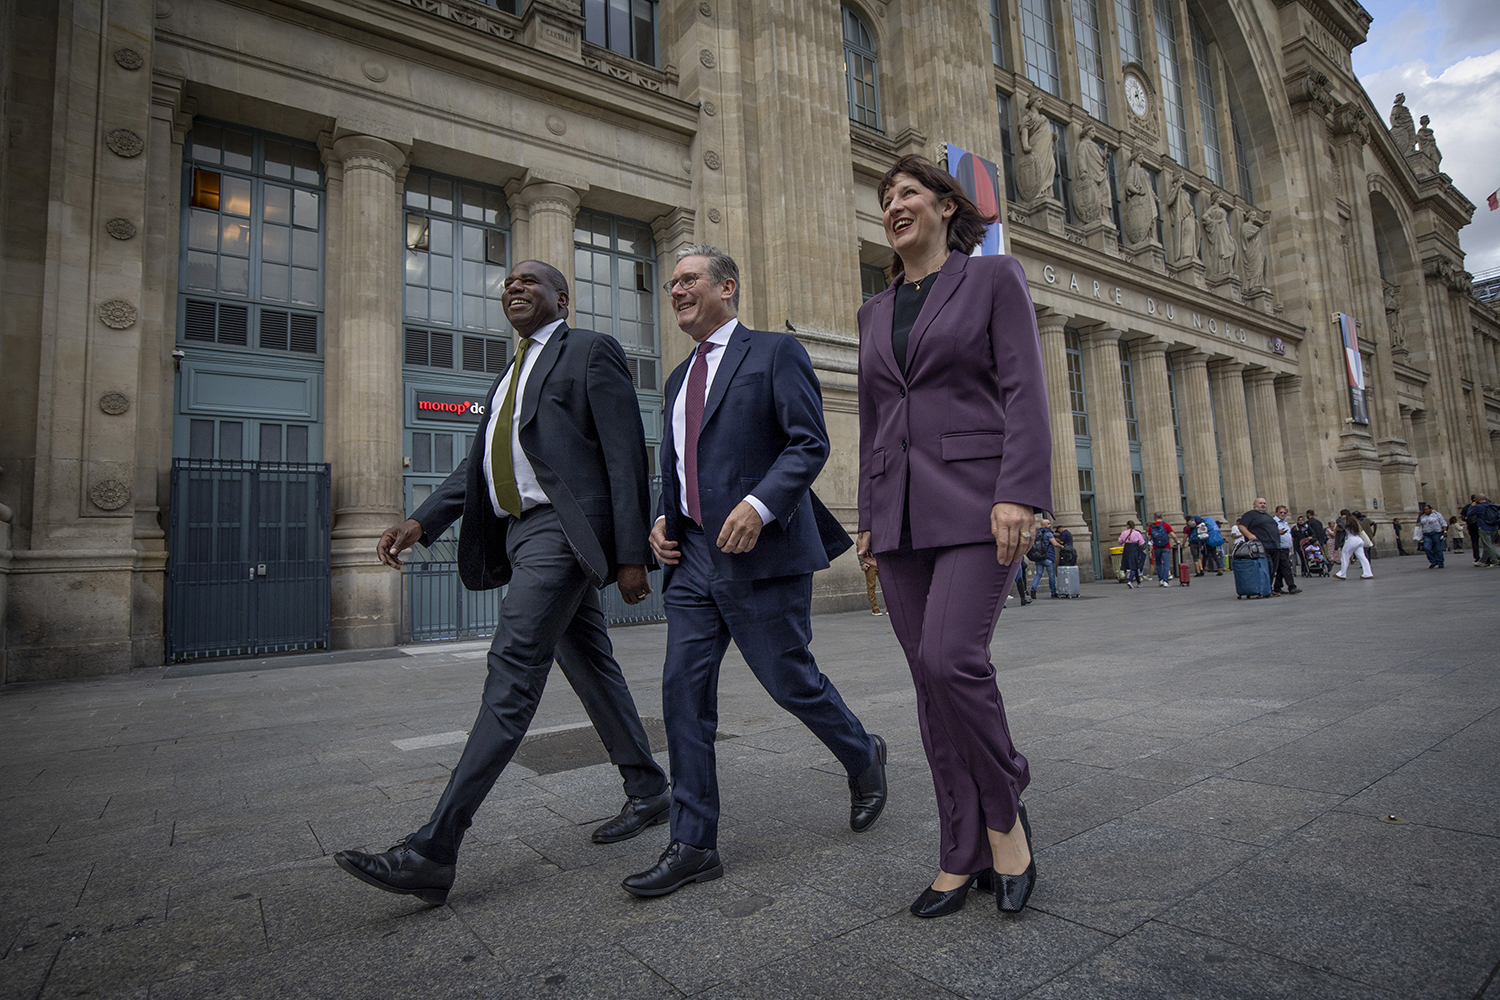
1393,317
1090,178
120,229
706,57
1310,86
709,109
467,17
1427,145
1220,247
117,314
114,403
714,216
1403,131
705,9
1350,119
129,59
711,160
556,125
123,142
1140,203
373,70
1182,222
1253,245
1036,163
1440,267
657,81
109,494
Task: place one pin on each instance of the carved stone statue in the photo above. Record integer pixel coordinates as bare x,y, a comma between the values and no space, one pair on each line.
1183,220
1393,316
1036,163
1253,244
1090,178
1140,203
1221,246
1428,145
1403,132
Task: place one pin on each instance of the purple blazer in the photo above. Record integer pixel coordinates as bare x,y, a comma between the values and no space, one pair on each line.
968,422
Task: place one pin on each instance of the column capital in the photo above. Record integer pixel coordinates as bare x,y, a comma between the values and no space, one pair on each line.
1260,377
1099,336
367,152
528,196
1191,359
1150,348
1289,383
1048,321
676,228
1227,367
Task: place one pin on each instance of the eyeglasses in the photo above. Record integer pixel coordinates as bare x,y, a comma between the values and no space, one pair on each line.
685,282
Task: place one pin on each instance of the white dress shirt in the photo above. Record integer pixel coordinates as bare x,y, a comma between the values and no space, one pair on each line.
720,338
1285,527
526,485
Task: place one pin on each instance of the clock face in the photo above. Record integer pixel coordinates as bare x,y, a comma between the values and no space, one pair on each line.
1135,95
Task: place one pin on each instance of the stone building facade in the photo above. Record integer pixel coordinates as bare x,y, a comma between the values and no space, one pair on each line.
273,229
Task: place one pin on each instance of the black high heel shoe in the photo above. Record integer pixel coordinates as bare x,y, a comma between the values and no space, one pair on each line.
933,903
1012,891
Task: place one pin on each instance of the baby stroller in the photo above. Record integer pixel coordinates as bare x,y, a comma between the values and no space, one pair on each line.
1313,562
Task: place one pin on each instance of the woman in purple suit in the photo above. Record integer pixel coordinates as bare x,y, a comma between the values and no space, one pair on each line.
954,461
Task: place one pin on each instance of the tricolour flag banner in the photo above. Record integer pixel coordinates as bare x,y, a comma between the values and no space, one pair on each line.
1355,366
980,180
1493,200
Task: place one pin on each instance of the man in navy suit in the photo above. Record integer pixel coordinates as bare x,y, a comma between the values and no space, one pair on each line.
738,537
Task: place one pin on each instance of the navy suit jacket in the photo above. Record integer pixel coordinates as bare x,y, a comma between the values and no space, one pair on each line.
762,433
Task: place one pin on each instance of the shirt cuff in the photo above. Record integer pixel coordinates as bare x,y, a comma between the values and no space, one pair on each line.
761,509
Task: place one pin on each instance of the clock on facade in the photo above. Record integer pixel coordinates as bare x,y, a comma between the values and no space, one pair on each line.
1135,94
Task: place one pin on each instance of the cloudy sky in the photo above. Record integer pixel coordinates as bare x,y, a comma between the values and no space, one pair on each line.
1445,56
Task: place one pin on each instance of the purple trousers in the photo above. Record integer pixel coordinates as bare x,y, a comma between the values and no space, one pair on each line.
943,605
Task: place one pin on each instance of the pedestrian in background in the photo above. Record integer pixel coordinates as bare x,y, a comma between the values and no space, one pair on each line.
1190,530
1134,554
1466,515
1258,524
1317,532
1281,569
1487,529
1048,562
1396,527
1434,526
1354,547
1161,549
1213,545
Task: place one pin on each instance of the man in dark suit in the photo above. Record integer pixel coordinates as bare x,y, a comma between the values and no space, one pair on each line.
739,538
555,501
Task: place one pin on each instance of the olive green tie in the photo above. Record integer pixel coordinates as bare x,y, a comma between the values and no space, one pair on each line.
502,467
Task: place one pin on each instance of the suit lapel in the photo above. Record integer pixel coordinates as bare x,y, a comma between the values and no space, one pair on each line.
950,276
734,353
880,329
544,362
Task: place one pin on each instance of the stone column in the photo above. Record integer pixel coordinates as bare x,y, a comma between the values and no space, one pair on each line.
1067,511
672,232
548,202
1200,454
1113,491
1153,411
1265,438
365,446
1233,423
1300,495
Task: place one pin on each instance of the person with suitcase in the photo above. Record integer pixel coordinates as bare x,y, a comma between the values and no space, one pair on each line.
1067,563
1252,571
1258,524
1160,533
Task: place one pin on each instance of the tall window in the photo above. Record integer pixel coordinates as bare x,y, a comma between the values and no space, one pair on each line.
1090,58
1171,81
1132,431
1039,44
252,235
457,252
624,26
1075,384
614,289
1007,146
1208,103
872,281
1241,153
1062,182
1128,25
997,33
859,72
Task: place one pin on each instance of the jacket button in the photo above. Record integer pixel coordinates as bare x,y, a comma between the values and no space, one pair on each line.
903,444
903,393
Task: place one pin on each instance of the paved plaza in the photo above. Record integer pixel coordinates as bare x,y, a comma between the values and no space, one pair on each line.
1281,798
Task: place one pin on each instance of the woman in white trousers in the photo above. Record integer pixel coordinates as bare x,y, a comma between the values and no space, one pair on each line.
1354,548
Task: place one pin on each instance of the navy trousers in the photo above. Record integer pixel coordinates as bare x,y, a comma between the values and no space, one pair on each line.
770,621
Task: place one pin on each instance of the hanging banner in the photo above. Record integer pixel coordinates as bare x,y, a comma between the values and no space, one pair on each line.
1355,366
980,180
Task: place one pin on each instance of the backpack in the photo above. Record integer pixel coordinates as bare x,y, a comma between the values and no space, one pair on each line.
1488,517
1067,556
1159,537
1215,537
1201,532
1040,547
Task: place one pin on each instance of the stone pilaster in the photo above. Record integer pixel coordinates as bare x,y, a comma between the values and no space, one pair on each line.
672,231
1067,511
1300,492
1200,456
548,201
1265,438
1153,411
1113,491
364,353
1233,424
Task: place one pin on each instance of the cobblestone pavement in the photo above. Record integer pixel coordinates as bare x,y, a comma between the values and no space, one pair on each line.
1281,798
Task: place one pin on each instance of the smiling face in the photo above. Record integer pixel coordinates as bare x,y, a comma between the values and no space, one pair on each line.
700,305
531,297
916,221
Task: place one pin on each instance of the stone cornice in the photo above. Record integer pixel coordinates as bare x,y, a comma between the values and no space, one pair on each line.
1346,20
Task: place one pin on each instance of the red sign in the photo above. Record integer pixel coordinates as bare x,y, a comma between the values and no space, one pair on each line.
443,406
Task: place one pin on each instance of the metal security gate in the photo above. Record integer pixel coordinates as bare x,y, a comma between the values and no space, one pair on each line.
248,562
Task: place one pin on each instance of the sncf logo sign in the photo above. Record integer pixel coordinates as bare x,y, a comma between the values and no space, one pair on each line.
441,406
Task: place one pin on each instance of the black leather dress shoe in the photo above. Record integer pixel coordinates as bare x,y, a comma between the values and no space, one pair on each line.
678,865
640,812
868,792
935,903
400,870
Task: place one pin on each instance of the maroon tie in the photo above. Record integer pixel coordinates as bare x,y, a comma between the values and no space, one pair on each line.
697,389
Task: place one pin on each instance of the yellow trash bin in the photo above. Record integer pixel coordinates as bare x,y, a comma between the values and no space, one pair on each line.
1115,552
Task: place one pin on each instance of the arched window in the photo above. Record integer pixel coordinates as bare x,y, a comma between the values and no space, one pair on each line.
1208,103
859,72
1090,58
1171,81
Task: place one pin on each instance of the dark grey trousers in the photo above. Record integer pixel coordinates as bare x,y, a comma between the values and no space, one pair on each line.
550,610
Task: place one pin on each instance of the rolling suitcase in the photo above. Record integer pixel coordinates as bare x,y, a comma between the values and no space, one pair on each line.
1252,578
1184,574
1067,581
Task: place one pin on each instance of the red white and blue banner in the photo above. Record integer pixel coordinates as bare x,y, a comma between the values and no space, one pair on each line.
980,180
1355,366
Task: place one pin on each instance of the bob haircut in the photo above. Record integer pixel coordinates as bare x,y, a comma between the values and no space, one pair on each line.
967,226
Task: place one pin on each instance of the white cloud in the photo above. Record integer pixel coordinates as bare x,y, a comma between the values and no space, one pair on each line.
1461,100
